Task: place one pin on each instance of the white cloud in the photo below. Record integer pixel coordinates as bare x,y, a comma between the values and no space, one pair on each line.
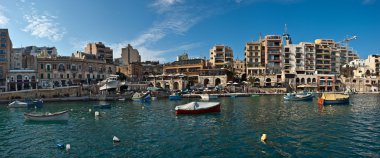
164,5
44,26
3,19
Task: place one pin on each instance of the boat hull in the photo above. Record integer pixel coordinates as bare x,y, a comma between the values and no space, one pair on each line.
59,116
18,104
143,98
333,102
175,97
200,111
110,84
307,98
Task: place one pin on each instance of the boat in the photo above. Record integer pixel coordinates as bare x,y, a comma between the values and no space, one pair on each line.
303,96
332,98
36,103
102,106
141,97
109,83
27,103
198,108
57,116
175,96
208,96
18,104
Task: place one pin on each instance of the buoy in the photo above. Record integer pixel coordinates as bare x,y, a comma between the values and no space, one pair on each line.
115,139
68,147
142,107
264,137
97,113
60,146
89,110
71,109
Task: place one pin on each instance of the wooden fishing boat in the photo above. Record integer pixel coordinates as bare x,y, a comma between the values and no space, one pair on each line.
198,108
141,97
57,116
332,98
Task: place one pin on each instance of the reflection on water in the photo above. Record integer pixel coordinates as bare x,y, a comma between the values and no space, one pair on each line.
300,129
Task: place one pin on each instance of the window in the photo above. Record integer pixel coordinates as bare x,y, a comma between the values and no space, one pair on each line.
68,75
61,75
80,76
256,47
3,45
42,66
42,76
48,76
2,52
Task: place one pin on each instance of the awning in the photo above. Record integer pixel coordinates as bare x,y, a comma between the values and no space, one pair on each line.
307,86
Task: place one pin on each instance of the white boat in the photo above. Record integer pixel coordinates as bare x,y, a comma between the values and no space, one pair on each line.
18,104
198,108
57,116
208,96
109,83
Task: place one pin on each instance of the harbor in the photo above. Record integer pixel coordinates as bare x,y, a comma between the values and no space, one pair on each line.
152,129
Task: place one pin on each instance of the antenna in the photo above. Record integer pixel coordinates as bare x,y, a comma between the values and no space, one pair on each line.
260,37
286,29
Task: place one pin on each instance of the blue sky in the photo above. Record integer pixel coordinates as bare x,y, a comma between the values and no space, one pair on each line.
162,29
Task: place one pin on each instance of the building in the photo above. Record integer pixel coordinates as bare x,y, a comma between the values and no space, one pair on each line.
254,59
133,71
273,54
151,68
221,57
129,55
5,52
373,62
100,51
68,70
239,68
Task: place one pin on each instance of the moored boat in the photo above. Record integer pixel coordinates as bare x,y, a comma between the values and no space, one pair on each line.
304,96
175,96
109,83
208,96
102,106
57,116
332,98
198,108
141,97
18,104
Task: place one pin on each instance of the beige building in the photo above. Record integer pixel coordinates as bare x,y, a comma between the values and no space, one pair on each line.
129,55
66,71
373,62
221,57
254,58
100,51
239,68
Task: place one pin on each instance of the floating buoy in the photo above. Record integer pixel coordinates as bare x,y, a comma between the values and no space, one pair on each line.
60,146
264,137
89,110
115,139
97,113
68,147
71,109
142,107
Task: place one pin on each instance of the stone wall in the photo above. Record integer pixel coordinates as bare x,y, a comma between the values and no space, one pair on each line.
44,93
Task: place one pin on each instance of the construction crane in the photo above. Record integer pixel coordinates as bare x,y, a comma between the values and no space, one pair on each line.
346,40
